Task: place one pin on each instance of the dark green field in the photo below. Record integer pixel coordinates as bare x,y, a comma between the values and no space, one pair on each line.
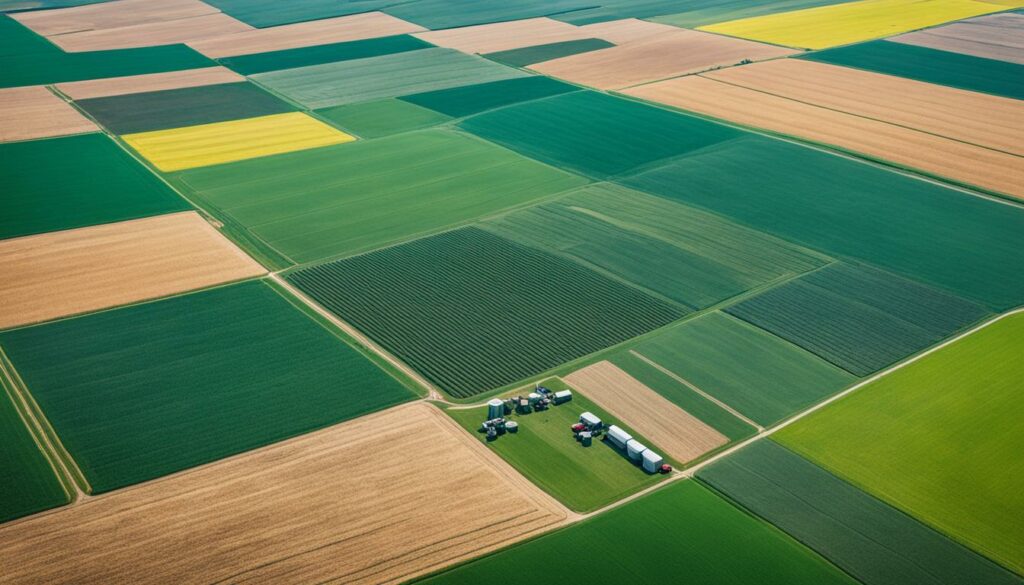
867,538
472,311
538,53
682,533
143,391
77,181
473,99
318,54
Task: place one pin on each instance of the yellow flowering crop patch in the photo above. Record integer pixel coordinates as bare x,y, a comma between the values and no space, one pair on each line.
841,24
210,144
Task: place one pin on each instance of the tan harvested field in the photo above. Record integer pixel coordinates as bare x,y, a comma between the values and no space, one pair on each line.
940,156
93,88
680,434
982,119
305,34
503,36
65,273
627,30
35,112
151,33
108,15
661,56
996,36
377,500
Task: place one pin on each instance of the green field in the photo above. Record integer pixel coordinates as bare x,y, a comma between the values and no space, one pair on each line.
265,13
27,481
175,108
848,209
582,478
859,318
939,439
596,134
538,53
681,533
347,82
760,375
701,12
472,311
76,181
339,200
319,54
458,102
865,537
146,390
931,66
30,59
681,253
381,117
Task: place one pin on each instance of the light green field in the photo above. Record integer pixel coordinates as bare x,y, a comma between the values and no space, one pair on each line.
582,478
940,438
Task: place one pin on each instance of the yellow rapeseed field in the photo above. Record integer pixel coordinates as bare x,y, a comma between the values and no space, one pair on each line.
841,24
210,144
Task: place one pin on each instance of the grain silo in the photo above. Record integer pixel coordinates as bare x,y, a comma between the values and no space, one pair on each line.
495,409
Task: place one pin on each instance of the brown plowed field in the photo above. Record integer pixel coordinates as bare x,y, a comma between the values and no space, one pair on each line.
151,33
110,15
680,434
663,55
305,34
64,273
996,36
503,36
35,112
982,119
93,88
967,163
627,30
377,500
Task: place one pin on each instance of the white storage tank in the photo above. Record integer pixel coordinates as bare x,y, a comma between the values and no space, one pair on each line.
590,420
652,461
586,438
618,436
563,396
495,408
634,448
534,398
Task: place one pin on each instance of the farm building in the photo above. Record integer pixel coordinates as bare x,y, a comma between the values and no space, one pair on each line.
618,436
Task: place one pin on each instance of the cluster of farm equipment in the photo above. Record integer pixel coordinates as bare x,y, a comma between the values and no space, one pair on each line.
498,410
590,427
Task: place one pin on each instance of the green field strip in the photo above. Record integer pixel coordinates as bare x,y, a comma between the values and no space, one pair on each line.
269,13
683,530
327,202
544,450
30,59
865,537
438,14
76,181
467,100
381,118
596,134
849,209
859,318
539,53
929,65
346,82
189,106
472,311
27,5
683,396
700,12
938,438
677,252
150,389
320,54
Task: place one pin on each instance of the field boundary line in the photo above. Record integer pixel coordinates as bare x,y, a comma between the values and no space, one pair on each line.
695,388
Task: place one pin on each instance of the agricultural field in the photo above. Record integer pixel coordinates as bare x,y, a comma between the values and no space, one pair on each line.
35,112
328,202
504,36
860,319
379,118
320,54
467,100
865,537
729,547
201,522
996,36
937,439
704,12
111,86
519,309
526,56
544,451
113,385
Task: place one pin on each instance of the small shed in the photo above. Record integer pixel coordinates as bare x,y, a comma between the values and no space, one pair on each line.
634,448
619,437
590,420
652,461
563,396
495,408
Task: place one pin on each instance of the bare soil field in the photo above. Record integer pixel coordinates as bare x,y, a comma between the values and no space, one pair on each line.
151,33
940,156
94,88
108,15
377,500
35,112
305,34
627,30
997,36
64,273
663,55
680,434
502,36
981,119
